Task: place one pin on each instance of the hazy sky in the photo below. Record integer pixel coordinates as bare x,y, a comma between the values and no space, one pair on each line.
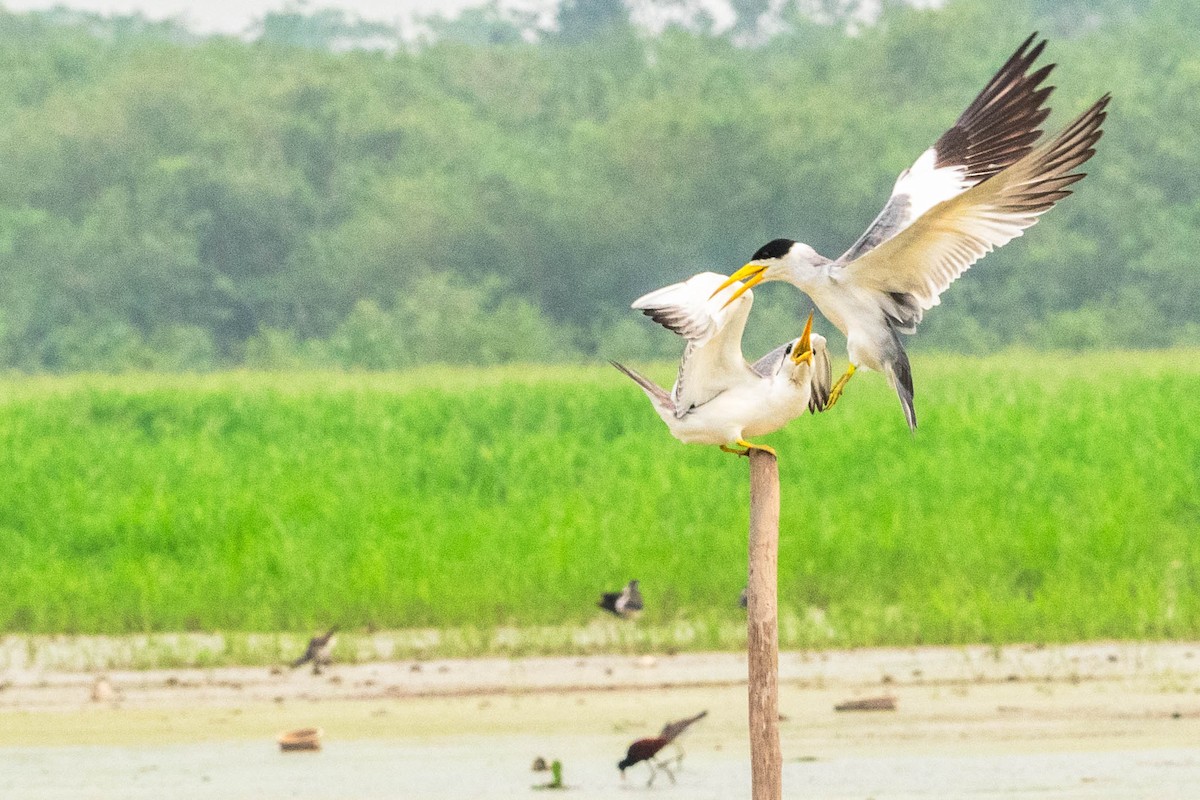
235,16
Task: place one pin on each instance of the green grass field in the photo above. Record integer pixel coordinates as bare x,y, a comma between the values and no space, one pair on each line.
1045,497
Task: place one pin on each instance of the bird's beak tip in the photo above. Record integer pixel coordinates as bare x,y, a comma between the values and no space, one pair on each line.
751,273
742,272
802,352
730,281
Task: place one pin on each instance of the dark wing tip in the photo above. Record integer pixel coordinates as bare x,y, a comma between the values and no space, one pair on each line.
899,372
994,130
671,318
818,400
910,413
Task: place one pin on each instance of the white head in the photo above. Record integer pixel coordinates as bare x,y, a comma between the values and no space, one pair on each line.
777,260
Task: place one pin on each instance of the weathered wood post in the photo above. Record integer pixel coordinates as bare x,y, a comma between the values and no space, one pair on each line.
762,627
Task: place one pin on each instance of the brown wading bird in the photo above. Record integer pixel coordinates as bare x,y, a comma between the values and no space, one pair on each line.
979,187
318,652
648,749
626,604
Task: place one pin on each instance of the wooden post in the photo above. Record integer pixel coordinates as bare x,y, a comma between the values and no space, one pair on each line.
762,627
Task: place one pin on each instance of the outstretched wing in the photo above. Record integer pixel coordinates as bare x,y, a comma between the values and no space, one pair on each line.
712,360
996,130
919,263
686,309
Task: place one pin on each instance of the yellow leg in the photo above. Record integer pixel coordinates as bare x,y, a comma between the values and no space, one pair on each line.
836,391
766,448
735,451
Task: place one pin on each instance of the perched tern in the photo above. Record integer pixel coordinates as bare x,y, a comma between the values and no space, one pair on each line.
981,185
718,397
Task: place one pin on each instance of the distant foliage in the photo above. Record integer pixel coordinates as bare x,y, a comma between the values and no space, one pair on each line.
503,192
442,321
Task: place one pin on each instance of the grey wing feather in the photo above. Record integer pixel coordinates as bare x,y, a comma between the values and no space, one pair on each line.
769,364
822,375
672,729
895,215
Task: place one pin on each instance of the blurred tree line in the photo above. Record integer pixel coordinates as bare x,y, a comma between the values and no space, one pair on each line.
502,191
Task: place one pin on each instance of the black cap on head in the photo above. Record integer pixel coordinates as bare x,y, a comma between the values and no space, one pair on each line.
776,248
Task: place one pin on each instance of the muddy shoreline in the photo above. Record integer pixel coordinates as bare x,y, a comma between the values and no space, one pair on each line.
1167,664
1100,720
1170,671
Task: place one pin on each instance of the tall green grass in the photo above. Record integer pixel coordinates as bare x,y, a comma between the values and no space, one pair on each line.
1044,496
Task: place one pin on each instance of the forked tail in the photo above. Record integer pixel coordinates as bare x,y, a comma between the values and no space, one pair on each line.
656,393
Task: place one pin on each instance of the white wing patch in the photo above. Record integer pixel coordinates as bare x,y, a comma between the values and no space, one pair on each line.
997,129
926,185
926,257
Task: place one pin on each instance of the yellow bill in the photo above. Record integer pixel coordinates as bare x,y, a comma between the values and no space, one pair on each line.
803,350
752,274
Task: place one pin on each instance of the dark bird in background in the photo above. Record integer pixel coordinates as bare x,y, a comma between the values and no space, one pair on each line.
648,749
744,598
318,652
626,603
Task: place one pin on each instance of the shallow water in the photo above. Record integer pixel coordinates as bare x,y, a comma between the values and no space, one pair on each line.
1091,722
483,767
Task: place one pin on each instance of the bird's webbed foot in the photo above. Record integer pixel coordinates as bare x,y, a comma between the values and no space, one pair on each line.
766,448
838,387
